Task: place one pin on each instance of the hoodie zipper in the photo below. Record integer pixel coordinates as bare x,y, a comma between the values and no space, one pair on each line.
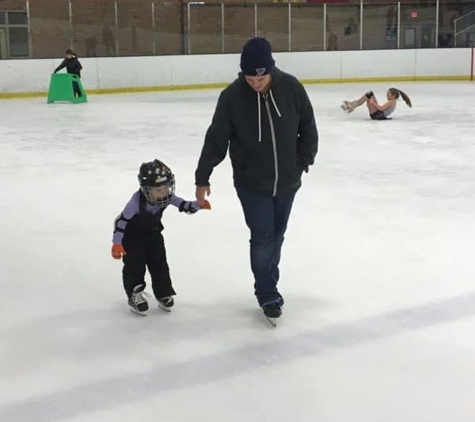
274,143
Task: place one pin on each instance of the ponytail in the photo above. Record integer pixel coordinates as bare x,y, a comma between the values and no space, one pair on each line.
404,96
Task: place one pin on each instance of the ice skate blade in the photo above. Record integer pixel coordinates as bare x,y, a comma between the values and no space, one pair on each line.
164,308
134,311
271,321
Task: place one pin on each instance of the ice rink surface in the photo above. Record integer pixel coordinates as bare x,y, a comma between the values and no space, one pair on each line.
377,272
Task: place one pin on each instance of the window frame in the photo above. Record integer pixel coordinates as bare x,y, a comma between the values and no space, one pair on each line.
6,27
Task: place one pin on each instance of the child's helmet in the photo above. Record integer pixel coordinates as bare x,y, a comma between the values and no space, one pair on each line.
153,174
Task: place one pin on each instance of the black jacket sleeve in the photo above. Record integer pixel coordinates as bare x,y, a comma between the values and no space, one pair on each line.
78,66
307,146
216,143
61,66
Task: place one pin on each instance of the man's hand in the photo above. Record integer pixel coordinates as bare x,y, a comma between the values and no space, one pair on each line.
201,193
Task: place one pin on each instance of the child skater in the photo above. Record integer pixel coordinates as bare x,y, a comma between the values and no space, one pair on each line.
138,239
377,111
73,66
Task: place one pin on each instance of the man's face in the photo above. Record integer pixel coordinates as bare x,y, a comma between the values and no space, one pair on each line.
259,83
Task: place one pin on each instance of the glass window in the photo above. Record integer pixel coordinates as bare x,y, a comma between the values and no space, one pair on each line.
18,41
17,18
2,18
3,43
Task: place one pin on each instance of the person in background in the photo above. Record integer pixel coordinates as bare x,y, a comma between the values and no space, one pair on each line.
73,66
378,111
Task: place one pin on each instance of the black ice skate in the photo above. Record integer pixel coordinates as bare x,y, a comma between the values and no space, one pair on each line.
166,303
137,302
272,312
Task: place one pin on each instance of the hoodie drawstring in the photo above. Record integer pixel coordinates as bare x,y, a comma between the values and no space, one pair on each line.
259,112
273,102
259,115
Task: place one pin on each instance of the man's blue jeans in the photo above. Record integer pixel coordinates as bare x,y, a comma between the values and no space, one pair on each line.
267,217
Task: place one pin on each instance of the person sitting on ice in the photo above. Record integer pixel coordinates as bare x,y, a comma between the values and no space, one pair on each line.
377,111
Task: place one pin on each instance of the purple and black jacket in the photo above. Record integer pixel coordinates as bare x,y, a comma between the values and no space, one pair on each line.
141,217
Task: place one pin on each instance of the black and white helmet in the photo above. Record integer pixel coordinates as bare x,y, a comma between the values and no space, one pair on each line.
155,174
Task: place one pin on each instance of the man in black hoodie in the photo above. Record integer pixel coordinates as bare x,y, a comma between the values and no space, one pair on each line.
266,119
73,66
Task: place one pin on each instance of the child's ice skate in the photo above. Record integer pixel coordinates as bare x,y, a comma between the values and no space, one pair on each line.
166,303
347,106
137,302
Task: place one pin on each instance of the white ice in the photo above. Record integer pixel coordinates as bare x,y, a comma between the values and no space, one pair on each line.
377,270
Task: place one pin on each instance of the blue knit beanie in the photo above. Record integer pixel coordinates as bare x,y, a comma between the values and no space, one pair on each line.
256,57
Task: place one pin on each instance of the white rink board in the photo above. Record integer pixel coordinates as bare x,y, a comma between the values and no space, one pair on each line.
23,76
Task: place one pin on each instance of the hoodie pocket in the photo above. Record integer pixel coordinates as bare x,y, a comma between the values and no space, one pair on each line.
260,163
290,169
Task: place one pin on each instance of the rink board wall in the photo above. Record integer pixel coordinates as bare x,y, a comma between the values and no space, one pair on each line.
25,77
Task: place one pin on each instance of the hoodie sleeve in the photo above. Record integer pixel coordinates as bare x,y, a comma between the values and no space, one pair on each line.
308,135
61,66
216,143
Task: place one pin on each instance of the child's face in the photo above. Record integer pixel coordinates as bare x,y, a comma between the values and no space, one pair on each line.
159,192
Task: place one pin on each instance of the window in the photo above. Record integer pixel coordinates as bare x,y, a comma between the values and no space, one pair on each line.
17,18
14,34
3,43
18,41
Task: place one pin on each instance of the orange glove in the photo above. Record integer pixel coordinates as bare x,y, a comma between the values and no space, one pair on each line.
118,251
206,205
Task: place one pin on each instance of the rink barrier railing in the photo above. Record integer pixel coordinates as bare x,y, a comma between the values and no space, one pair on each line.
466,76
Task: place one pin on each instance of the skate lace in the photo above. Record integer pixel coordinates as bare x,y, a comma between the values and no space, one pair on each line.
139,297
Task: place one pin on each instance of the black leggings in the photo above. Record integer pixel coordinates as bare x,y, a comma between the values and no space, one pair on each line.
76,89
